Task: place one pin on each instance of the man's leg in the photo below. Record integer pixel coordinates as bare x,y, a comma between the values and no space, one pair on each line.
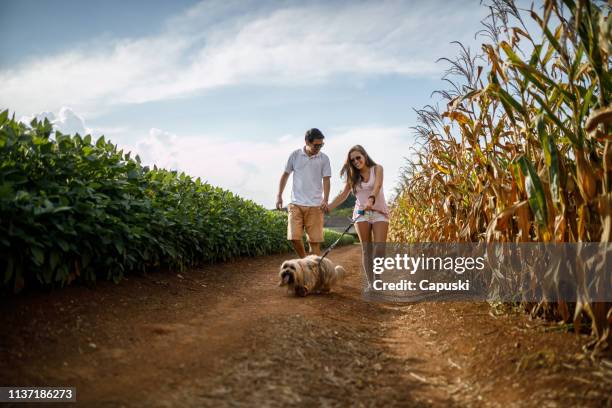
313,222
298,245
295,228
315,248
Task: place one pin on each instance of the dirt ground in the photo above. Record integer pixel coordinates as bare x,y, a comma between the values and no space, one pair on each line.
227,335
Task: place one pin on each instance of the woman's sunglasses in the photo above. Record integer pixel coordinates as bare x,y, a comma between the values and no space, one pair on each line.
356,158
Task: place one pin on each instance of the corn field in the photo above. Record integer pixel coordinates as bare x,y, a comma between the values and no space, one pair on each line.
521,151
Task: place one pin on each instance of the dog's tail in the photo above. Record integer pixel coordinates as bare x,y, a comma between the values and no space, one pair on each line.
340,272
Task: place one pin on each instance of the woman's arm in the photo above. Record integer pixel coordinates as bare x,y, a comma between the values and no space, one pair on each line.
378,182
340,198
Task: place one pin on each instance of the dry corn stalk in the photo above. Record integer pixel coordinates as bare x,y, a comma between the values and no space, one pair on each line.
521,153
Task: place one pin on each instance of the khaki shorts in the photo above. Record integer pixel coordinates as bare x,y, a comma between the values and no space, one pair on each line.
309,218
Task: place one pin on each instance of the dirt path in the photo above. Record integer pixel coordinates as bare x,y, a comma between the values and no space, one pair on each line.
226,335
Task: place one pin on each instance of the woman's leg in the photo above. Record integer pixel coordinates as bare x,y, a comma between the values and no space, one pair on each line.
380,230
364,230
379,240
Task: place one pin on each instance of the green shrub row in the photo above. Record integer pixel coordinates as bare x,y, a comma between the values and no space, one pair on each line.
330,236
71,208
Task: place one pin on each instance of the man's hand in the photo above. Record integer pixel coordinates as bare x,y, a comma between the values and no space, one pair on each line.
324,206
281,188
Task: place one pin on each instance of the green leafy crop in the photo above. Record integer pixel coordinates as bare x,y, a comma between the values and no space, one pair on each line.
76,209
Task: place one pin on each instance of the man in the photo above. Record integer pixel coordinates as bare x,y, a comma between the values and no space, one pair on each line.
309,194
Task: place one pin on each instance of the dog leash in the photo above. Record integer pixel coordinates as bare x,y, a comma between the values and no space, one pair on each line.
329,248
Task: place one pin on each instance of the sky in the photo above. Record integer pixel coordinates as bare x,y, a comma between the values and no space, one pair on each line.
225,90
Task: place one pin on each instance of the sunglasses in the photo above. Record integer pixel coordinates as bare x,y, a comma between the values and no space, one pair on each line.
356,158
317,145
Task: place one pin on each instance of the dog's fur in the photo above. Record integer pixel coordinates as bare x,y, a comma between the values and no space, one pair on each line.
304,276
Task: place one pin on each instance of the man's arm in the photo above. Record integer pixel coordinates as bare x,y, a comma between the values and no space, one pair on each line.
281,188
326,186
326,173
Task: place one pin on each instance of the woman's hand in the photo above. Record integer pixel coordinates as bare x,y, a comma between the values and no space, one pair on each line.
370,204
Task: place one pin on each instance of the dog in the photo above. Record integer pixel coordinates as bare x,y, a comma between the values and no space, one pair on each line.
310,275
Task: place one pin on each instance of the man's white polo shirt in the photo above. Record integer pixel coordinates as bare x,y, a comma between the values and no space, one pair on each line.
308,173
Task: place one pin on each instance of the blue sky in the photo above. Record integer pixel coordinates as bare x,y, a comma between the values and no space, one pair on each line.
224,90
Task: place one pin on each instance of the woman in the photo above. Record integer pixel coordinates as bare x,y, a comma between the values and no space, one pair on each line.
364,178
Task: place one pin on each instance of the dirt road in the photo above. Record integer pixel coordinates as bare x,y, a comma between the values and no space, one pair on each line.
227,335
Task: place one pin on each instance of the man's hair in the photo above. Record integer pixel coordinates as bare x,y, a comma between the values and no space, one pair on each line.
312,134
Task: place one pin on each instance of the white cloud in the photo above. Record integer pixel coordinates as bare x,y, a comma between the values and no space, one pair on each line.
158,148
66,121
218,44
